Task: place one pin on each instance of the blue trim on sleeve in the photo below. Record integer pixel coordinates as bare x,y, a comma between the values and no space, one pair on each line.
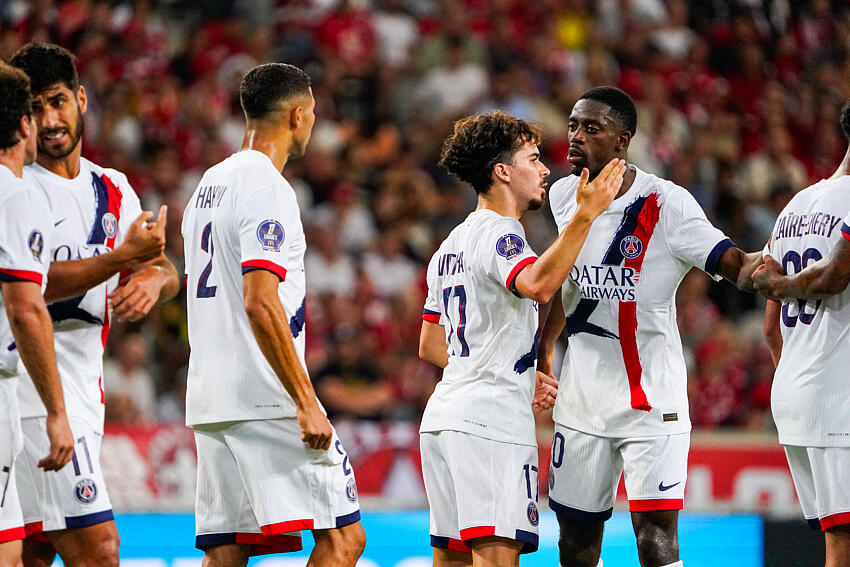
72,522
580,515
202,542
348,519
429,312
715,254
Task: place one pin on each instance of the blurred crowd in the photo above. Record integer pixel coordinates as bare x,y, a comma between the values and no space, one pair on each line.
737,101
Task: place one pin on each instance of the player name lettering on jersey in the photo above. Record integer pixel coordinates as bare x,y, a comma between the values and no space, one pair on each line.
606,282
450,264
210,196
796,226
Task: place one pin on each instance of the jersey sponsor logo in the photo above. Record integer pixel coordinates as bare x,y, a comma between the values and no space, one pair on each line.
36,244
351,490
631,247
664,488
110,225
270,234
85,491
533,514
510,246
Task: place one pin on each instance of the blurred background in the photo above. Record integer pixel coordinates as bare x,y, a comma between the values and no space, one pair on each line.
737,101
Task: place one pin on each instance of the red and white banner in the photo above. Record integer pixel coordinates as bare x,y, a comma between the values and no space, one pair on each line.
153,468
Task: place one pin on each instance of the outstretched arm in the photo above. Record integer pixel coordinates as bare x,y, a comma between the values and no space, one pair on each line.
737,266
821,279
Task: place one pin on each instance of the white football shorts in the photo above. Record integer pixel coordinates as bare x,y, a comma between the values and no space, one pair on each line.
585,470
259,484
478,487
74,497
11,442
821,476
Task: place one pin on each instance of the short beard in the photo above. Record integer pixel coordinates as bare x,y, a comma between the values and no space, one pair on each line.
76,136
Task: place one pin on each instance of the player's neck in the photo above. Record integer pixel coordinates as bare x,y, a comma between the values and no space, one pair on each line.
628,180
500,202
13,158
844,168
67,167
270,142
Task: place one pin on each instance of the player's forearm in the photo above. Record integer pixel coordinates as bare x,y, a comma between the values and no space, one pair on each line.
772,333
75,277
541,280
33,331
267,319
818,281
737,267
551,331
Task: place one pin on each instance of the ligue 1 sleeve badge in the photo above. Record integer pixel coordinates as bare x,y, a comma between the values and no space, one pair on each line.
631,247
510,246
270,233
36,244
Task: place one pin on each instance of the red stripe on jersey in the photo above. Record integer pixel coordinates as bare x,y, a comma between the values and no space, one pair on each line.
288,526
647,221
834,520
104,334
279,271
656,505
478,531
520,265
431,317
22,275
266,545
114,197
12,534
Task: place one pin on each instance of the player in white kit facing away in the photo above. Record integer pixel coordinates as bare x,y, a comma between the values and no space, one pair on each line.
25,327
808,326
105,263
478,442
269,462
622,401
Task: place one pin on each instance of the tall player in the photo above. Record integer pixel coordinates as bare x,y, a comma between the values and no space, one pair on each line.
25,326
622,401
478,441
810,388
269,462
99,232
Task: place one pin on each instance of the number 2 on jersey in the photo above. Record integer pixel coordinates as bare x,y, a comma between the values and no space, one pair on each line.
207,246
794,263
459,292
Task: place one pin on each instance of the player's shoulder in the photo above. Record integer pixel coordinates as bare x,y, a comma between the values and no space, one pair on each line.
563,188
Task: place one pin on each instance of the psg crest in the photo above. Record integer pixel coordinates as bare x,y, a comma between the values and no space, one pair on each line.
270,234
110,224
85,491
351,490
36,244
532,513
510,246
631,247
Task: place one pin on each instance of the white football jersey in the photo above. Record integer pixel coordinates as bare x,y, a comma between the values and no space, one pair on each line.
810,388
243,216
24,245
624,372
491,331
91,214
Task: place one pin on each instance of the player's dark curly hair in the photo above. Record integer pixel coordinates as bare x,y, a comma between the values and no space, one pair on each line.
264,87
15,103
478,143
845,119
47,64
622,106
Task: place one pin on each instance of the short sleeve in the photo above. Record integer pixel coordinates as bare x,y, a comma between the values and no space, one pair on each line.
269,226
27,228
845,227
692,238
504,252
562,201
431,311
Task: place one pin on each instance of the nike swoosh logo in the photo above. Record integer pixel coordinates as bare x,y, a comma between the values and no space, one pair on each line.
57,223
663,488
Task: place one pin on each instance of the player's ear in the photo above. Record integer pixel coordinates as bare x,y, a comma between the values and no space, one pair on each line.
623,140
26,127
296,116
82,99
502,173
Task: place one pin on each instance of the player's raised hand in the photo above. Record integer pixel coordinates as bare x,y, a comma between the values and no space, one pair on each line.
61,443
143,241
594,197
545,392
316,430
767,277
134,298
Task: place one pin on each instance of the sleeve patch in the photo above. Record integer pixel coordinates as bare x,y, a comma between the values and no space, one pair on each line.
36,244
270,234
510,246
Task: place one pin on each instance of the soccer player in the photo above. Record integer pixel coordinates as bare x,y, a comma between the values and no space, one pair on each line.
622,401
269,462
477,437
99,232
810,332
25,326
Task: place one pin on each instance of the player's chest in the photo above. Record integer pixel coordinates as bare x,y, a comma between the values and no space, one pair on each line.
83,226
